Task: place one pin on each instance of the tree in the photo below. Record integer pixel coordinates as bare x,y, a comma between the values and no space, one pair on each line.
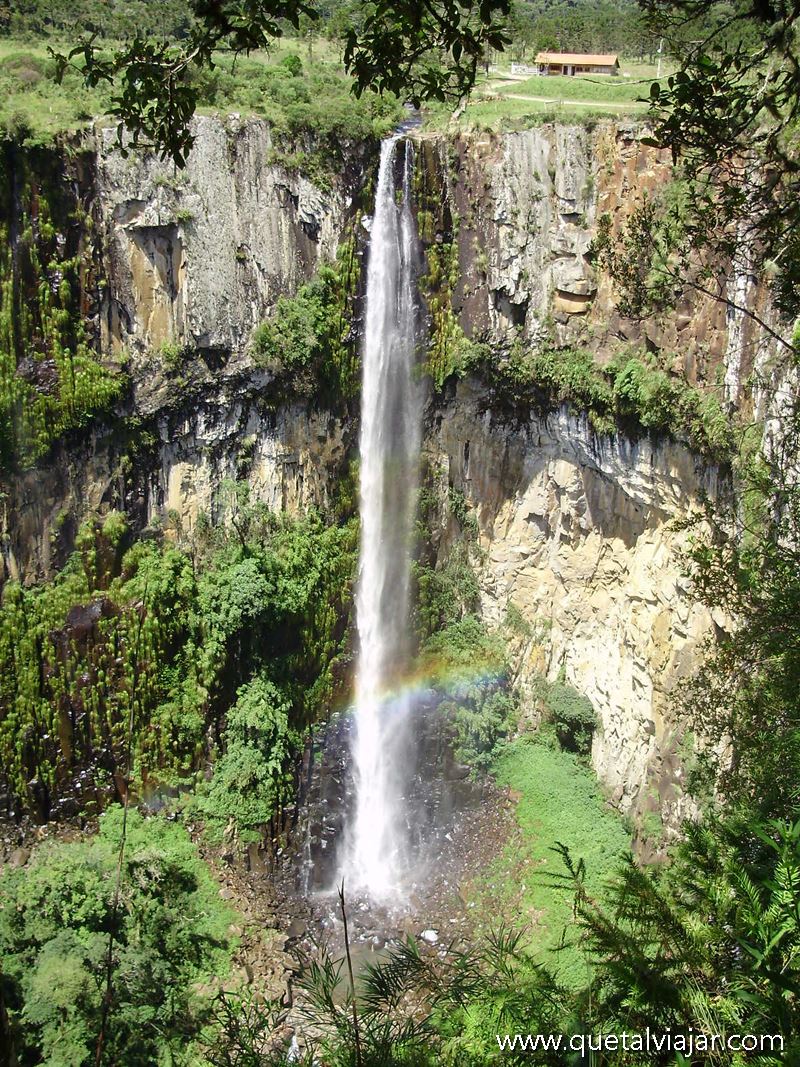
711,946
253,777
745,700
169,935
729,117
421,51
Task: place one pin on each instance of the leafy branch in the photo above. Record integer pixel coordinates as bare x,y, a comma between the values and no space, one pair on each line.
421,51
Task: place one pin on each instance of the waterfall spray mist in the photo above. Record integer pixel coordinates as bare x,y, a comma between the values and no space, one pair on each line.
389,459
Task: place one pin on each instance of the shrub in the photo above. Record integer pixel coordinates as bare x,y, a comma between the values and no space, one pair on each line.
307,342
297,331
253,776
293,63
471,664
445,594
51,379
465,647
170,932
572,714
482,718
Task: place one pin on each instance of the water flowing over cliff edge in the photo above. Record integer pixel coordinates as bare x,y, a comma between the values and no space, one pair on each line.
576,529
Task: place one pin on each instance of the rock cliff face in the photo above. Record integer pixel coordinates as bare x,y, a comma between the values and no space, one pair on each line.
577,532
291,459
528,206
188,264
197,257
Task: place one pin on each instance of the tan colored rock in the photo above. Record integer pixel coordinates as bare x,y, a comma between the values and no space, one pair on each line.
577,533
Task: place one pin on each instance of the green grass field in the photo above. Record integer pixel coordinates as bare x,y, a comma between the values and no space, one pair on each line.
33,108
504,114
602,90
32,105
501,103
559,802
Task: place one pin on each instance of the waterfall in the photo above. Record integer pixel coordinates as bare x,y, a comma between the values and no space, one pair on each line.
389,458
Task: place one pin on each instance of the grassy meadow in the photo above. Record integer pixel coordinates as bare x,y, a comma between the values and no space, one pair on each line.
591,89
34,108
558,801
306,91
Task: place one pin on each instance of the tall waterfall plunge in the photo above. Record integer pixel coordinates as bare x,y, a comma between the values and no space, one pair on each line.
389,458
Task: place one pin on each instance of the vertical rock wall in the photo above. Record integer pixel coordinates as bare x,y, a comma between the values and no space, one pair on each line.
188,263
527,206
579,534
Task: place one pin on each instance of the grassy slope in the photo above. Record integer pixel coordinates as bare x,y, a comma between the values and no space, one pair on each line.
559,802
503,113
504,103
34,108
613,90
30,100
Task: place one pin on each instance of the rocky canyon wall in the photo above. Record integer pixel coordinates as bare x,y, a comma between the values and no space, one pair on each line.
523,210
187,263
576,531
578,534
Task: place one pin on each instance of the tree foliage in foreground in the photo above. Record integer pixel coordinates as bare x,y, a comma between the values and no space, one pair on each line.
170,932
420,52
419,1008
745,699
711,946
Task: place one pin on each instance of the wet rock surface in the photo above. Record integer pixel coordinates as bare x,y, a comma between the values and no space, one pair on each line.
453,826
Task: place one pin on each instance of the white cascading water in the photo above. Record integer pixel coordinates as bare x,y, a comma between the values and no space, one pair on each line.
389,458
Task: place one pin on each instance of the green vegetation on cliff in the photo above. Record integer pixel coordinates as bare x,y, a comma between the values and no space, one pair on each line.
471,664
155,642
631,391
309,342
51,378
